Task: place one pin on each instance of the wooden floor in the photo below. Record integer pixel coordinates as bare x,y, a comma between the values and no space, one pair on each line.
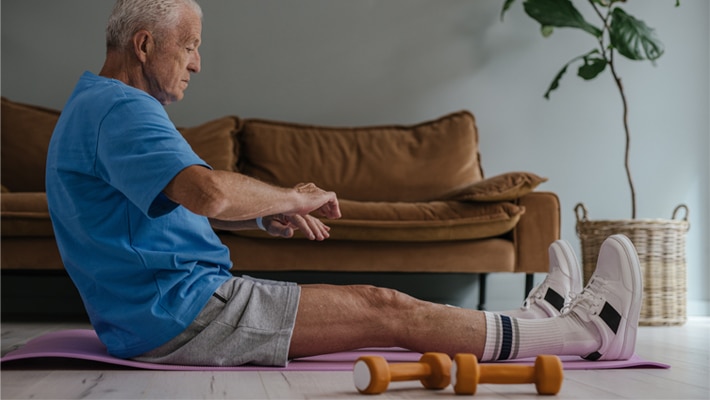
685,348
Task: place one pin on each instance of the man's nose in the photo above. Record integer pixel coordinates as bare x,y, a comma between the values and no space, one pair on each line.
195,65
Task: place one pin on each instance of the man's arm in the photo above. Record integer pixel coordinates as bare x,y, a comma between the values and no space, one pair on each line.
232,201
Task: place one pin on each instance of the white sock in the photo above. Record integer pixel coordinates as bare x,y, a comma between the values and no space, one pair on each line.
510,338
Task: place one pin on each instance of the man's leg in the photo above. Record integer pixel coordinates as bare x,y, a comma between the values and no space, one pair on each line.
339,318
601,322
365,316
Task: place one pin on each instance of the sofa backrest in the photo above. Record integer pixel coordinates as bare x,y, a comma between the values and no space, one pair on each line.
25,133
420,162
27,129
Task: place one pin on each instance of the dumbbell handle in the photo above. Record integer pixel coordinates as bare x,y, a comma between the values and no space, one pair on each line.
490,373
409,371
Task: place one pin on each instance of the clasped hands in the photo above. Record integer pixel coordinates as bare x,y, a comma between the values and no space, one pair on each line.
314,200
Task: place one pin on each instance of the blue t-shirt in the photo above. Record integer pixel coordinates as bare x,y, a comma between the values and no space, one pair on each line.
144,265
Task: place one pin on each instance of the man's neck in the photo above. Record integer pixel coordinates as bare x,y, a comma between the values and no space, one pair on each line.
122,67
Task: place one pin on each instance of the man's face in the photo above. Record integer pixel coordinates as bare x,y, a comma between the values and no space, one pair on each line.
168,68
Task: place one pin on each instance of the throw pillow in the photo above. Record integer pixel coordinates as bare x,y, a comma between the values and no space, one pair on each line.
504,187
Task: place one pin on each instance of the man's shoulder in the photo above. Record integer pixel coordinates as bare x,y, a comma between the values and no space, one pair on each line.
108,88
99,97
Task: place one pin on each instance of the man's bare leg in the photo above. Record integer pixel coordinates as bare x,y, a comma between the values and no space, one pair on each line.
600,323
341,318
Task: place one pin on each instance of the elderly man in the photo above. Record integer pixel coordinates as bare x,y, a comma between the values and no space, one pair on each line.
133,209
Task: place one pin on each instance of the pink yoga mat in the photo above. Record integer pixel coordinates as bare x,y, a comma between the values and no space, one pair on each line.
83,344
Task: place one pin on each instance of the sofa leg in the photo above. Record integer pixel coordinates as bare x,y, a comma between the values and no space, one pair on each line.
529,281
482,291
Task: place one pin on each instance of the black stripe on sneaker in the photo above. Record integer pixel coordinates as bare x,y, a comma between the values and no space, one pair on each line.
611,317
506,344
554,299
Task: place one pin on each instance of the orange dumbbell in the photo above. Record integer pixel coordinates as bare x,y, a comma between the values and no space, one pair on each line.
466,374
372,374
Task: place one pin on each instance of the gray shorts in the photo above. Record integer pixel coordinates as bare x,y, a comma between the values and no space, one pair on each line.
246,321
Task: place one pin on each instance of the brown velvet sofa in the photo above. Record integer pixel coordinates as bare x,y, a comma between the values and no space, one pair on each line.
414,198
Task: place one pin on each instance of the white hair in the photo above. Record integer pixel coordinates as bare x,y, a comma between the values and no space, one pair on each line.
156,16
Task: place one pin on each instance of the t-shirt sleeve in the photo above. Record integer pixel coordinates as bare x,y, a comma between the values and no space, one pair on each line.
139,152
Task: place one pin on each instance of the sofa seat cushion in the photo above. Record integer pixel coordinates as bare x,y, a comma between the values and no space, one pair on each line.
420,162
25,214
419,221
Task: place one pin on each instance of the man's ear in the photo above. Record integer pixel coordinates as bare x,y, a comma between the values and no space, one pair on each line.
143,44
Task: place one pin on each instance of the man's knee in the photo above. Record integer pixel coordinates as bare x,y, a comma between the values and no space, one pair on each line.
381,298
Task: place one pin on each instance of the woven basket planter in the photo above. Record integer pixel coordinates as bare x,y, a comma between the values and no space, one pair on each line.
660,244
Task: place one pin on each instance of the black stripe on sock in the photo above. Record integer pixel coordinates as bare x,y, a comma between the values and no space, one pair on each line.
555,299
506,337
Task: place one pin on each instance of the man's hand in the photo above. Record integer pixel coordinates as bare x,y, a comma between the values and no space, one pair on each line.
319,201
285,225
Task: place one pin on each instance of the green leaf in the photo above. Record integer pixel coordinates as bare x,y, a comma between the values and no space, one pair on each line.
559,13
506,6
556,82
633,38
592,67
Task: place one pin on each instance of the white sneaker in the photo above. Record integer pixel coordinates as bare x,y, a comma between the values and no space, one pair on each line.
611,301
563,281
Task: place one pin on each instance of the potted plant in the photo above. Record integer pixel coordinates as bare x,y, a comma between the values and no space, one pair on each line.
659,242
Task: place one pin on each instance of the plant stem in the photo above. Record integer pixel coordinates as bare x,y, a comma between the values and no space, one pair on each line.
610,61
617,80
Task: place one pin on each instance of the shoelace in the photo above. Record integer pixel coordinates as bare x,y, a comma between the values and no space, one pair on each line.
591,298
536,293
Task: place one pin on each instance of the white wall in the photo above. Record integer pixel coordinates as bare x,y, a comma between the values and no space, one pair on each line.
346,62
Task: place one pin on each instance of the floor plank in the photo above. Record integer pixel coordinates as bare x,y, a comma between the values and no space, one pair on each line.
686,348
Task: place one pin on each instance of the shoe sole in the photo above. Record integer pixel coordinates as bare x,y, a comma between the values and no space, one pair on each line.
630,328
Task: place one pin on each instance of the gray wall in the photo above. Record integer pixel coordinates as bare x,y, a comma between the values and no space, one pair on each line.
347,62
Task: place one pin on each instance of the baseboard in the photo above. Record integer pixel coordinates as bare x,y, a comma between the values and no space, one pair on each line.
699,308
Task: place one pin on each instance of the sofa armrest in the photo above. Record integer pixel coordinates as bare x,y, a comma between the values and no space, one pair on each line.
536,230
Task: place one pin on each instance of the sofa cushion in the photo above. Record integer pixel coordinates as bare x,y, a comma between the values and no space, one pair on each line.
214,142
26,130
419,222
377,163
25,214
504,187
